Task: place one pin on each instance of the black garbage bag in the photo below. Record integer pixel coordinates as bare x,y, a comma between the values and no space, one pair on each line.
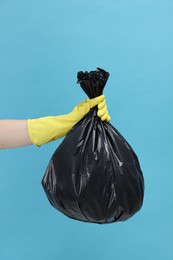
94,175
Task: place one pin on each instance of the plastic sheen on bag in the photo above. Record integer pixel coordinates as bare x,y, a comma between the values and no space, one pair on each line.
94,175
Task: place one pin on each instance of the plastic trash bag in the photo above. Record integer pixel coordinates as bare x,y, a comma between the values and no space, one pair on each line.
94,175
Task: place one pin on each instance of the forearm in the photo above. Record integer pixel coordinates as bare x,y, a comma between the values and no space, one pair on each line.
16,133
13,133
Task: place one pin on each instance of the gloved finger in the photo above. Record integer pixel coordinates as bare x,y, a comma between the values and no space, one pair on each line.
104,117
108,118
95,101
102,104
102,112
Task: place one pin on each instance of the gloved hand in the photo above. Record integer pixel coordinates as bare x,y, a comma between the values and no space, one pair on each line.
46,129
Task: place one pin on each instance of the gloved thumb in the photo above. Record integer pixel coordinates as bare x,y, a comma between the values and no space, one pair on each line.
95,101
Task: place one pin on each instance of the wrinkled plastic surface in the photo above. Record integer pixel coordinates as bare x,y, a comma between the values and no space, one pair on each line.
94,175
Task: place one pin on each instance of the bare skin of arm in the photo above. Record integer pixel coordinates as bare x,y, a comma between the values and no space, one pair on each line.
14,133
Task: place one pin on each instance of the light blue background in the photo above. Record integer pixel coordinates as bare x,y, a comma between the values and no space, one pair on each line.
43,44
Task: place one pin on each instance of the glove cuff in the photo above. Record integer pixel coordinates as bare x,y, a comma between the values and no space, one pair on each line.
46,129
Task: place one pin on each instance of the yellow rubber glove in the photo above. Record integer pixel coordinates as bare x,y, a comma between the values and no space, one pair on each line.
46,129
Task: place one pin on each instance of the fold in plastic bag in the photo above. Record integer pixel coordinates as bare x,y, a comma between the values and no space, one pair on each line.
94,175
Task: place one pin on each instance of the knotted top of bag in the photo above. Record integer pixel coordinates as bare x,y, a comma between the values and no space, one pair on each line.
93,82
